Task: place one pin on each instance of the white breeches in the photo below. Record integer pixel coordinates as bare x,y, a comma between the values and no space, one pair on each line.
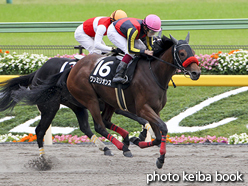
121,42
86,41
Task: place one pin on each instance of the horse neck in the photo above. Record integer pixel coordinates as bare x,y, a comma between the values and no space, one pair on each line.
163,71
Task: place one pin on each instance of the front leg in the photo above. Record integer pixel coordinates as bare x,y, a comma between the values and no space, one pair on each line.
158,125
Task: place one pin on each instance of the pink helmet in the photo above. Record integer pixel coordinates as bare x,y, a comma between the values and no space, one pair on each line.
152,22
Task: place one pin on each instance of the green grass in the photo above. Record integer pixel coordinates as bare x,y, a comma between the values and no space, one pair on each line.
233,106
179,99
77,10
22,113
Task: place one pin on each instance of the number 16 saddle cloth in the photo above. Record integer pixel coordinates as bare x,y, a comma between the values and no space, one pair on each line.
105,69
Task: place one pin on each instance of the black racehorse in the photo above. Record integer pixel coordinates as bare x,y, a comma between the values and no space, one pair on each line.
49,109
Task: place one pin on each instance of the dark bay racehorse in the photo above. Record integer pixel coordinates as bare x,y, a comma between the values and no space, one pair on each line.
15,89
146,96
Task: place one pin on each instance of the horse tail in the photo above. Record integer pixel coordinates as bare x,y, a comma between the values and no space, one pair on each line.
10,86
47,91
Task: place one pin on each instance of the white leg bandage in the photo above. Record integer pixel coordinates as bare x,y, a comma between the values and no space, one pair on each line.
149,129
98,142
42,152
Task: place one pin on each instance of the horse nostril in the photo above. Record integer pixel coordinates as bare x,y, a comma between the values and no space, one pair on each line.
195,75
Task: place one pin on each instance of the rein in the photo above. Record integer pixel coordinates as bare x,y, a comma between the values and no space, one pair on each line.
150,68
166,62
178,66
155,79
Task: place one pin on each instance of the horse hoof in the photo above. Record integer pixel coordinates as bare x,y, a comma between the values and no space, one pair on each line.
108,152
159,164
128,154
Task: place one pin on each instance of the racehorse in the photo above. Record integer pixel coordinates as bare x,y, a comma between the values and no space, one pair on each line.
146,95
21,86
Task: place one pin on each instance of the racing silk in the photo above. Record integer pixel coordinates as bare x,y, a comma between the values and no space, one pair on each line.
97,27
90,26
132,29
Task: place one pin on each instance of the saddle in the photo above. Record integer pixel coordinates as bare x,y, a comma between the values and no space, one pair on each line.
105,69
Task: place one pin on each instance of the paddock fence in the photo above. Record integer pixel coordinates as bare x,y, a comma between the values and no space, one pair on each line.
53,50
191,24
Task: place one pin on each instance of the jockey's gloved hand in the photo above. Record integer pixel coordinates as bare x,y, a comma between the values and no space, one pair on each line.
120,51
114,50
146,56
117,50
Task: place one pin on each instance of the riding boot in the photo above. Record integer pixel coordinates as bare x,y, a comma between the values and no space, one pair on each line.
120,71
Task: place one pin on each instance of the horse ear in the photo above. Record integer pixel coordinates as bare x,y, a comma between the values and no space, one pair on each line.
175,41
187,38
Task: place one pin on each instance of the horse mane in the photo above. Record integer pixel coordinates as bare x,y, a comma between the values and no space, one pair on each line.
161,45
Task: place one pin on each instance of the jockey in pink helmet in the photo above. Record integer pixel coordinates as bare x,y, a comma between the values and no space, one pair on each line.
126,34
153,23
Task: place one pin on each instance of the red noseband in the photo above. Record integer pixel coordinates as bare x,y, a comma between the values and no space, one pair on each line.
190,60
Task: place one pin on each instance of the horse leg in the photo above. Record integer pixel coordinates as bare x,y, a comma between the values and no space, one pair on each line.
107,115
85,94
148,113
145,124
93,107
48,112
82,117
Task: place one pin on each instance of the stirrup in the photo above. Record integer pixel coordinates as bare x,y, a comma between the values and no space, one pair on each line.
126,79
123,80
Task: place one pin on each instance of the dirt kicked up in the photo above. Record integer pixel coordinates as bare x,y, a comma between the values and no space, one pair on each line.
86,165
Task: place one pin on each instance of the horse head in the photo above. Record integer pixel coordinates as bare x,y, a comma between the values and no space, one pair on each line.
184,57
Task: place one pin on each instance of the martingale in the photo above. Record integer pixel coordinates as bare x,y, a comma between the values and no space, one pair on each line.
104,72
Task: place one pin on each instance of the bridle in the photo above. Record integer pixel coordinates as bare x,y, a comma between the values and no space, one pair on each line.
177,63
177,60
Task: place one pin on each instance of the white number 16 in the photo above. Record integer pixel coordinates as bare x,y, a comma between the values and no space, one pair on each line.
104,69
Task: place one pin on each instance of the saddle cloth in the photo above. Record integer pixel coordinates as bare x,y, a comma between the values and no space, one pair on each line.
68,64
105,69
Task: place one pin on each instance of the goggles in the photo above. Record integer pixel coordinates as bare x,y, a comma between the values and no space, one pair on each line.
151,31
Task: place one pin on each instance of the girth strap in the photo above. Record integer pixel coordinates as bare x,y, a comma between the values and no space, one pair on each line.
120,98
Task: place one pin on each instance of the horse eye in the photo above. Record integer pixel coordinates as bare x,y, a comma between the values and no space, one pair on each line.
182,54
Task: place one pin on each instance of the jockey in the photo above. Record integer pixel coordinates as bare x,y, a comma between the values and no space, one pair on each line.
126,34
90,33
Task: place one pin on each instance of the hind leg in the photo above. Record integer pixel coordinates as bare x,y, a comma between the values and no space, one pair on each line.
82,117
107,115
48,112
80,88
93,106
